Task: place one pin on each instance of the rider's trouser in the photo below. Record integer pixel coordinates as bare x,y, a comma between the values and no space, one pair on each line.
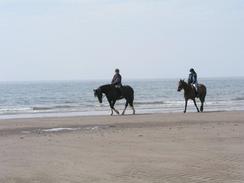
196,86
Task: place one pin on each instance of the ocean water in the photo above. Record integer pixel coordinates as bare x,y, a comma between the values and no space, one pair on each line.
72,98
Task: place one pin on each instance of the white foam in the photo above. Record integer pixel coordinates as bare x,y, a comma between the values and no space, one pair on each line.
59,129
92,128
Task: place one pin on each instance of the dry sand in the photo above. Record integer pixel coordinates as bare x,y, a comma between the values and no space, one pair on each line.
156,148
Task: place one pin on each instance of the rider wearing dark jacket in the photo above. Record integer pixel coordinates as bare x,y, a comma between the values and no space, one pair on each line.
193,79
117,82
117,79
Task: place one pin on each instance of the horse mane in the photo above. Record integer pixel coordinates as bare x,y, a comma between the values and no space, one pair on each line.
106,87
184,82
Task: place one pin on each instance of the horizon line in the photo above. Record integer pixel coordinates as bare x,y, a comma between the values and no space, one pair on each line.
126,79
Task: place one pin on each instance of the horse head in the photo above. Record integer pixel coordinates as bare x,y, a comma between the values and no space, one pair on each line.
98,93
181,85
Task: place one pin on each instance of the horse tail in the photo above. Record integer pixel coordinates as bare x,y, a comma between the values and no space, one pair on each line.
132,98
130,94
133,94
205,93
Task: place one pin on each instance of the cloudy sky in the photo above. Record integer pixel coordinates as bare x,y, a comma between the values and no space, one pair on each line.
88,39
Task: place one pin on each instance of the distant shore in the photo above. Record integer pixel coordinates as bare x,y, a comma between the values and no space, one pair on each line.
169,147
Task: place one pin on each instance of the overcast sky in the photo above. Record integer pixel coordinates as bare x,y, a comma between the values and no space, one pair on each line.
88,39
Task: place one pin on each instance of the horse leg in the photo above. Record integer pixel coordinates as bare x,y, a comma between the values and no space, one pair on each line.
186,101
112,112
202,104
130,101
126,105
134,111
112,103
111,107
201,108
196,105
116,111
114,108
132,106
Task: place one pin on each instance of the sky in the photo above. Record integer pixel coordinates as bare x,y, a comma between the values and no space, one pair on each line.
88,39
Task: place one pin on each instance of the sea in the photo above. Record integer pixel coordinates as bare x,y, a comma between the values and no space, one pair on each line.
76,98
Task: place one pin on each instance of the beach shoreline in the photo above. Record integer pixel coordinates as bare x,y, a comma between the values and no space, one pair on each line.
160,147
99,114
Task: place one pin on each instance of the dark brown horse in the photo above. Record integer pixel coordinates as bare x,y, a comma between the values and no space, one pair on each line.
190,93
112,95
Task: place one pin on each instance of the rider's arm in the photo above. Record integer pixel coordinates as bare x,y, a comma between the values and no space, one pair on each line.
194,78
113,80
190,79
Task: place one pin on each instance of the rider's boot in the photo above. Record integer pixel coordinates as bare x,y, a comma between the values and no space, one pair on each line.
196,90
197,93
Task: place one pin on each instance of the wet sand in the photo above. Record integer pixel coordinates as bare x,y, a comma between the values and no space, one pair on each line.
153,148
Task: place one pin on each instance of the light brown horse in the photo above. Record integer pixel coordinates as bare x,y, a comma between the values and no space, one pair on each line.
190,93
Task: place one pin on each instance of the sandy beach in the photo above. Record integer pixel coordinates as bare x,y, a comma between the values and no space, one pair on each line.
152,148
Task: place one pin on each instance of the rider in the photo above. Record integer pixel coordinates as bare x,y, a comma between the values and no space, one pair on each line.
193,79
117,80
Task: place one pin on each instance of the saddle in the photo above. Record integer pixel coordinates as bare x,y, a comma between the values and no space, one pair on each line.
119,90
